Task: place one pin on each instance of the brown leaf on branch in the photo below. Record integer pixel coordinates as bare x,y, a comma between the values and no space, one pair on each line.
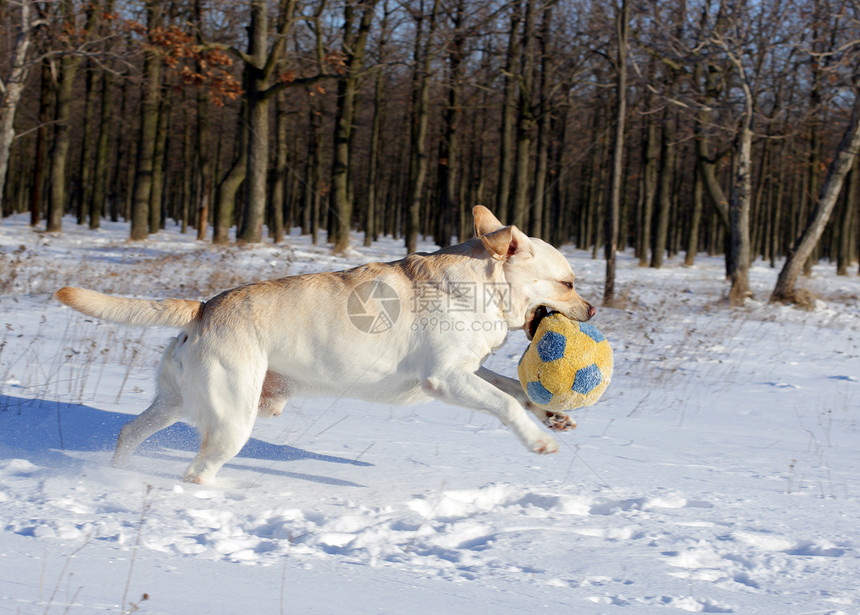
192,64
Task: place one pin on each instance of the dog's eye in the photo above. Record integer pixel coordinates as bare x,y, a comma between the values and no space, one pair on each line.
569,285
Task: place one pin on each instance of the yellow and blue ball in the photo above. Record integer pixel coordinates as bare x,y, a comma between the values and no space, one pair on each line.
568,364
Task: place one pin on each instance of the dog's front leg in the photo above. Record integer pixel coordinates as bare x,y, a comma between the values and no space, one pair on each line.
551,418
472,391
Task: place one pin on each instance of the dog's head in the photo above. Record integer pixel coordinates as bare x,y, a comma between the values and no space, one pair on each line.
540,278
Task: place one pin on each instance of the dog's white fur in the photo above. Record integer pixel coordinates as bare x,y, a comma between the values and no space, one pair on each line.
246,351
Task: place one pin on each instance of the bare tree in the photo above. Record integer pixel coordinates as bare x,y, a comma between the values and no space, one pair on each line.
262,84
354,43
420,119
525,120
372,224
100,189
784,290
613,208
846,234
143,180
737,102
66,70
746,35
260,63
506,150
740,202
12,87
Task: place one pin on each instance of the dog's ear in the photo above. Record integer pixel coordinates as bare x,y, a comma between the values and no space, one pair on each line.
485,221
506,242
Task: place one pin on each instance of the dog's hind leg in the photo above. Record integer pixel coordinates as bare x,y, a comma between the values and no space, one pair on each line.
228,402
164,411
221,441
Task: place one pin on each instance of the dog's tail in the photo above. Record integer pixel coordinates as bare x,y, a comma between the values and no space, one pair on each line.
141,312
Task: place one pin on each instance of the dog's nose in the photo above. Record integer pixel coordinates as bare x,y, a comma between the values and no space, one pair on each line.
591,311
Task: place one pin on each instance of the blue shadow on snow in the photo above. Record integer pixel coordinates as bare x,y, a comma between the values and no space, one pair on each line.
41,430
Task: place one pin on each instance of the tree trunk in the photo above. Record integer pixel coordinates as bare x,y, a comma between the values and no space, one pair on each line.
525,123
371,222
560,232
739,215
476,172
257,159
449,145
509,104
41,140
354,43
260,62
225,198
420,102
313,174
14,89
759,209
187,180
844,254
540,217
708,170
85,185
784,290
101,170
68,68
707,162
599,181
124,166
648,188
613,209
664,191
695,218
156,195
777,215
279,181
204,161
148,132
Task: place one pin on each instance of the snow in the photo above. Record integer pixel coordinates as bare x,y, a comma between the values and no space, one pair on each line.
718,473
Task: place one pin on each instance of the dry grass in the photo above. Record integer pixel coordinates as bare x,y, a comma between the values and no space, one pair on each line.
192,271
95,352
801,298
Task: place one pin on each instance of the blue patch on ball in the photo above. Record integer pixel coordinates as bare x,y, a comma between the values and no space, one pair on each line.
538,393
587,379
551,346
568,364
591,332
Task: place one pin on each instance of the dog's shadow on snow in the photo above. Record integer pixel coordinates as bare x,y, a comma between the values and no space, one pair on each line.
44,431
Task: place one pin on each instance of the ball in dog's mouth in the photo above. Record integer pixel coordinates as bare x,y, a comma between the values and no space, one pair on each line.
540,313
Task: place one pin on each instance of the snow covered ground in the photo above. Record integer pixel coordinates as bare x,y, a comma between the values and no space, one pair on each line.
719,473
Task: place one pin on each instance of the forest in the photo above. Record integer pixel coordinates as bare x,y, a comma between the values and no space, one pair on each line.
665,127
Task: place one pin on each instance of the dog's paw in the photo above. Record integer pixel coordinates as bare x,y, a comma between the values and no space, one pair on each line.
559,421
120,462
544,446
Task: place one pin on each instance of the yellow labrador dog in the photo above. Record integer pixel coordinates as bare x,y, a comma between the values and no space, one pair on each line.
400,332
